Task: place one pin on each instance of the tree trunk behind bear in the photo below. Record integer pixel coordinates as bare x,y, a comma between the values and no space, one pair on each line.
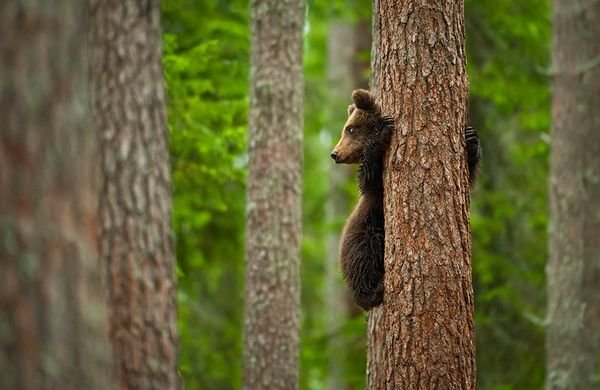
346,42
273,225
53,323
135,201
340,50
422,337
572,343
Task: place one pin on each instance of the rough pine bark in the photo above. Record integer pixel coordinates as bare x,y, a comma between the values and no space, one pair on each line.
422,337
135,200
273,225
573,269
53,324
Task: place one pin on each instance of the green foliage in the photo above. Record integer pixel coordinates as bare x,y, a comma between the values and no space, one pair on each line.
318,344
206,51
313,341
507,45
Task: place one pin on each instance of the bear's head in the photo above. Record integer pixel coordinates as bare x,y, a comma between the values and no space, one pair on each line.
366,131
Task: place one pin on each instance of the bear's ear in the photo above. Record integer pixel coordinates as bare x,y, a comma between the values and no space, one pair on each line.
363,99
351,109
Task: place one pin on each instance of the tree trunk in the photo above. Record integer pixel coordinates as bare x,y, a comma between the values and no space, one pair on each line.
52,316
422,337
574,244
273,224
135,201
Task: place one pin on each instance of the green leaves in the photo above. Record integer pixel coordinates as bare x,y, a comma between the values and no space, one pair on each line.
206,49
507,44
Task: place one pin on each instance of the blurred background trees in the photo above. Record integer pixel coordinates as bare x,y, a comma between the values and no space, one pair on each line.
573,340
274,196
206,67
53,330
81,197
137,251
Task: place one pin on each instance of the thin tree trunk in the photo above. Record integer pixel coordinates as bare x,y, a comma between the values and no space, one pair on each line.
573,269
361,63
273,224
135,202
53,328
422,337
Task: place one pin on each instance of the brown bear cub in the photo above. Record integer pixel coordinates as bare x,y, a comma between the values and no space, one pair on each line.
365,138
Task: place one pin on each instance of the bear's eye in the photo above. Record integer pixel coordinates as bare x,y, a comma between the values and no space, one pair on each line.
350,130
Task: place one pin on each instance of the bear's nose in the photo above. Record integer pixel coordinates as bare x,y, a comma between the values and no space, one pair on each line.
334,156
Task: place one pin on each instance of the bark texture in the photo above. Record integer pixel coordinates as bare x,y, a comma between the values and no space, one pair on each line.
422,337
273,224
573,269
135,202
53,328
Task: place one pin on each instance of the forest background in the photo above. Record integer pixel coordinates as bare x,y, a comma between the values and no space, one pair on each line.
206,54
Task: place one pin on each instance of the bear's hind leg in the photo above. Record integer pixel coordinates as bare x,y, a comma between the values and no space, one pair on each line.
362,265
367,297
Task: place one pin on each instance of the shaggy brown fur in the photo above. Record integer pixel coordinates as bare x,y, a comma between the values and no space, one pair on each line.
365,138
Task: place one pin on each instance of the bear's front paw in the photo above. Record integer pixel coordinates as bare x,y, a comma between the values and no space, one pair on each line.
473,152
387,126
473,146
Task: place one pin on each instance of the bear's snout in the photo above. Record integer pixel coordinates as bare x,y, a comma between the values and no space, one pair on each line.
334,156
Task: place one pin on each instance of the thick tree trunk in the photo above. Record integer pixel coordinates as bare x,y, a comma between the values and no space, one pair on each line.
52,314
273,224
422,337
573,269
135,202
